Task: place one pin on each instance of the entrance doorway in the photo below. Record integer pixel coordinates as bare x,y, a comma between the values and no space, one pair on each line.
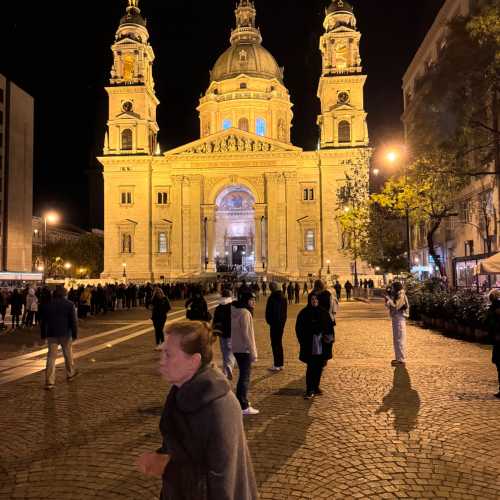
235,230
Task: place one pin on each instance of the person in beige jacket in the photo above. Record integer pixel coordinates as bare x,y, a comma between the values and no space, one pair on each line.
244,347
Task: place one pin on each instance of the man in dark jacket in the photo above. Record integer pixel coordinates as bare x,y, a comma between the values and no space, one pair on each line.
204,455
276,315
60,327
222,327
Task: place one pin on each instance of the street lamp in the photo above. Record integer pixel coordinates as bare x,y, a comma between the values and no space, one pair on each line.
48,218
394,156
68,266
328,263
124,265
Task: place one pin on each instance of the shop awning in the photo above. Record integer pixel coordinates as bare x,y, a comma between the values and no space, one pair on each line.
491,265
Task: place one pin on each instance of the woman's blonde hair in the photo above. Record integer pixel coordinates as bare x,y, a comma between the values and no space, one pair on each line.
196,338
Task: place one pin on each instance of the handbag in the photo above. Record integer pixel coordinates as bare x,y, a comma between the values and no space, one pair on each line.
34,307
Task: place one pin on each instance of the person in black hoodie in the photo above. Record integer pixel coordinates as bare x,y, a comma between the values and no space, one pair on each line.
204,455
197,308
276,316
161,307
314,329
493,325
222,327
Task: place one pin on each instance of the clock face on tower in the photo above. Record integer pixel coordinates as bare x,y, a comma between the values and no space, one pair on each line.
343,97
127,106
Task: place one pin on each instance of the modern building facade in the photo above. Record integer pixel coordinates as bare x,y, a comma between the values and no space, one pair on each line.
464,240
242,194
16,177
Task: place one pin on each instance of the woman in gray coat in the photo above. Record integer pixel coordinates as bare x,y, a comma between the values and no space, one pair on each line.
204,455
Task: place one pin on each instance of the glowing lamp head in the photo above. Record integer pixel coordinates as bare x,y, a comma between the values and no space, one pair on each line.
52,218
68,265
392,156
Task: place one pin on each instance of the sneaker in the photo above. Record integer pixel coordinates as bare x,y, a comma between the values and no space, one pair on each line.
49,387
274,369
250,411
309,395
159,347
76,374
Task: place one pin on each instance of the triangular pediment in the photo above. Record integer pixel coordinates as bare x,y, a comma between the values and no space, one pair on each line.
232,141
128,114
342,107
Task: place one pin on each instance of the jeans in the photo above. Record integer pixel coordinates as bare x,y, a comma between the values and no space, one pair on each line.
399,336
228,359
313,373
277,345
159,325
50,371
245,366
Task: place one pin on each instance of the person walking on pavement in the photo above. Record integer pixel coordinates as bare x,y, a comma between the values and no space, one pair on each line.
493,324
60,328
305,290
31,307
316,335
222,327
338,290
348,290
161,307
297,292
399,310
276,316
16,307
244,347
290,293
264,289
204,455
4,304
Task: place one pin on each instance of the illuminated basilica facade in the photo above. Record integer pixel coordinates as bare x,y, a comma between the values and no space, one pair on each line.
242,194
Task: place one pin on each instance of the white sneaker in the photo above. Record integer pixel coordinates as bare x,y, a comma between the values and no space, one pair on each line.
250,411
159,347
274,369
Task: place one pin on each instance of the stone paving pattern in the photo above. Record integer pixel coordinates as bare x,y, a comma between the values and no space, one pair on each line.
431,431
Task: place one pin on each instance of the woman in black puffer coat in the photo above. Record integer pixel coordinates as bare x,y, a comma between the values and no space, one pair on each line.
316,335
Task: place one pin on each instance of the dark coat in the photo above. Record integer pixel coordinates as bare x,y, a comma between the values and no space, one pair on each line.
276,310
58,319
313,321
197,309
161,307
202,429
493,325
16,304
222,320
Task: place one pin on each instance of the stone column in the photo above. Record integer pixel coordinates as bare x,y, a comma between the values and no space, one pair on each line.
177,240
209,252
259,214
291,223
273,227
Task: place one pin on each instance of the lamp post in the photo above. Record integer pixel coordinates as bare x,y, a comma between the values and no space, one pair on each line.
124,265
393,156
328,264
48,218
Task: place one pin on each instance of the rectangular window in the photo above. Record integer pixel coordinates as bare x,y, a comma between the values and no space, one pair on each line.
162,243
162,198
126,198
311,194
308,194
310,241
260,127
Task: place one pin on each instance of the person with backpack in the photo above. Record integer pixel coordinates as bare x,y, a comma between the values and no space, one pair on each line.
399,310
348,289
338,290
197,308
276,316
222,327
161,307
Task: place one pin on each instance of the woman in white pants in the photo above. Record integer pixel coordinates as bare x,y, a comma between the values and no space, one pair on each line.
399,309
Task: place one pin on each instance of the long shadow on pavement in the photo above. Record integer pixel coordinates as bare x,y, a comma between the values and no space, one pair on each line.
280,430
403,400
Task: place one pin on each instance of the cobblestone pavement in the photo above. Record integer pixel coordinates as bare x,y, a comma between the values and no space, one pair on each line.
429,431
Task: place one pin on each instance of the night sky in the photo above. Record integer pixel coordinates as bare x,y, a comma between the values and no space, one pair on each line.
59,52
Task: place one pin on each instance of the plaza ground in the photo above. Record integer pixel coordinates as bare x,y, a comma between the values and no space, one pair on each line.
429,431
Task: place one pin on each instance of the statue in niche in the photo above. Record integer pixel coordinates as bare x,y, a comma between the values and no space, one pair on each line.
223,146
241,144
248,145
217,147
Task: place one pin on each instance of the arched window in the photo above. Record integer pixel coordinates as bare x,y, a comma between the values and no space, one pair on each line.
226,124
344,131
281,130
260,127
126,243
243,124
127,140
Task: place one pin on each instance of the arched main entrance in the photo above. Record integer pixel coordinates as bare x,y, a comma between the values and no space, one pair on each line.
235,247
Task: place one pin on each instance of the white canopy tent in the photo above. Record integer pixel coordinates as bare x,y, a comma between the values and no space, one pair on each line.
490,265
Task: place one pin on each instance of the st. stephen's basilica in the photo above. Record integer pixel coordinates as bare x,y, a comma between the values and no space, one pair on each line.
242,196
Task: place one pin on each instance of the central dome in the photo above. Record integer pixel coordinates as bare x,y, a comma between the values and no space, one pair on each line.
251,59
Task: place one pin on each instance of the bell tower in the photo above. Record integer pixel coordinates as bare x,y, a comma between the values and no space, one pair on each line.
132,126
342,121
